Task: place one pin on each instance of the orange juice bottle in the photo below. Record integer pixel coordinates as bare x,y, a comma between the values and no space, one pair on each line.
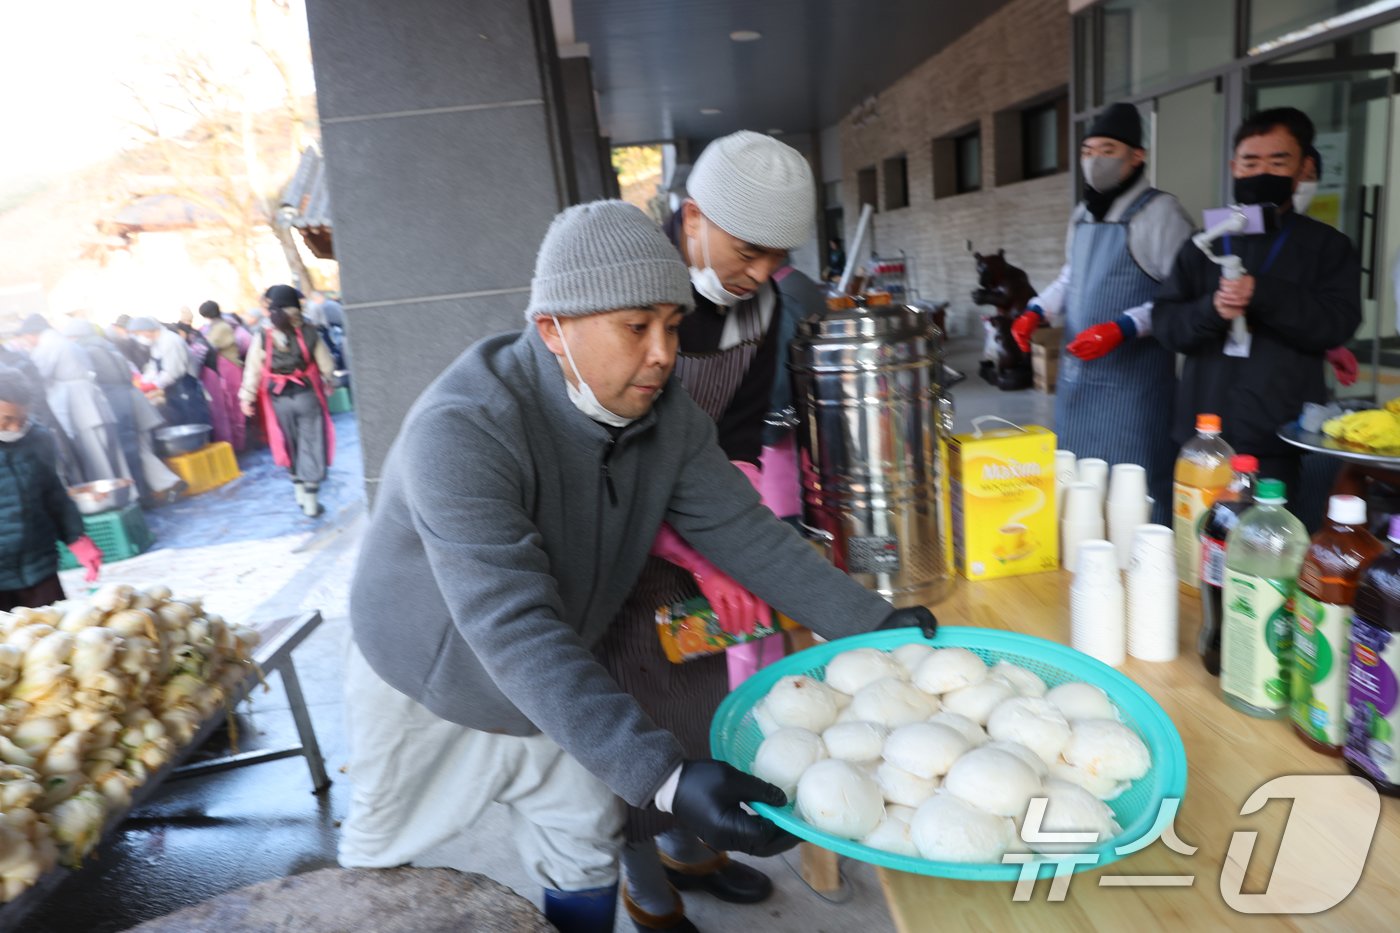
1202,474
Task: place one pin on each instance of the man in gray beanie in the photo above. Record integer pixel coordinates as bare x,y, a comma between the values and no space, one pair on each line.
750,199
516,509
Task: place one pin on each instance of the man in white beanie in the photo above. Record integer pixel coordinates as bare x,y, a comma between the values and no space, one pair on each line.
750,199
515,512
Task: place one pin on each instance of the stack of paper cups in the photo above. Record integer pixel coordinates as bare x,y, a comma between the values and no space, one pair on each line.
1095,471
1083,521
1065,474
1152,595
1128,507
1096,604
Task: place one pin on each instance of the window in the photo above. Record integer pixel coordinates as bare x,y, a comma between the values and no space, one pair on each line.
957,162
1043,149
1147,43
896,183
967,150
1272,20
868,188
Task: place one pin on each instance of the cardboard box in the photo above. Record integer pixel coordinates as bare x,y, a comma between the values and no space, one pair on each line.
1002,487
1045,358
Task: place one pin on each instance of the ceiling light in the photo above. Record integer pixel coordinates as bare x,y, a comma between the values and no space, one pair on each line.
745,35
710,111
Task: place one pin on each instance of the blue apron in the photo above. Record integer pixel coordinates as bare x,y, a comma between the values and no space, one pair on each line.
1118,407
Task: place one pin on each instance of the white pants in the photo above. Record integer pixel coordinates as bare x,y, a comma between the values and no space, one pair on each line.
420,782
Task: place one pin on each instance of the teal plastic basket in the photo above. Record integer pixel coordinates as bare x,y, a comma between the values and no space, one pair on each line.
735,737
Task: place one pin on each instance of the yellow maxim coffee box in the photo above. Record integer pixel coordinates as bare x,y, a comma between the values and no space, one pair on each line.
1002,487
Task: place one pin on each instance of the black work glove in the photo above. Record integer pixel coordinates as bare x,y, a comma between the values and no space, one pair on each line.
707,801
913,617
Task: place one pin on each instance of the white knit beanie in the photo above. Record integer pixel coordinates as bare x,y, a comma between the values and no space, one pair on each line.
757,189
604,256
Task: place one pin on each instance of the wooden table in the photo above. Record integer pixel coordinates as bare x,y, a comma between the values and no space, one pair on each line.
1229,756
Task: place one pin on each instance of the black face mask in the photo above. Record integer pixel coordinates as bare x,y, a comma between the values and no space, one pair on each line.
1264,189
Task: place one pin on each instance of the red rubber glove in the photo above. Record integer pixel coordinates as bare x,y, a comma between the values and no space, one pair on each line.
1343,364
89,555
1025,325
736,609
1094,342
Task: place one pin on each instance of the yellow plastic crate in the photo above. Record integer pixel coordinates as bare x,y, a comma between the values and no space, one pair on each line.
206,469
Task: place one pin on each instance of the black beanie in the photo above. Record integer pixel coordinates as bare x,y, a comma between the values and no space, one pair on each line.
283,296
1120,122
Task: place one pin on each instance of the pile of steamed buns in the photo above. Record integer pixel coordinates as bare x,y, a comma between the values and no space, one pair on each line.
928,752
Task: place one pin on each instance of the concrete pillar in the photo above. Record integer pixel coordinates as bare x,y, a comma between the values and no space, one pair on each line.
591,162
447,156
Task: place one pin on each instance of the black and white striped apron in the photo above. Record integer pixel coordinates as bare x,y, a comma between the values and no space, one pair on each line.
681,698
1117,407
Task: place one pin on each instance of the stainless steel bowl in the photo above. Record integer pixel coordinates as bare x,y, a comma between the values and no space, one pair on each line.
182,439
103,495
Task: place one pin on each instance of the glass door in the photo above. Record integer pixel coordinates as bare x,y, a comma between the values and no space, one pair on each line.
1349,101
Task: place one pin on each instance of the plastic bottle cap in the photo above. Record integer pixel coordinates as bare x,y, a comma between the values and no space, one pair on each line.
1347,510
1394,529
1270,491
1244,463
1208,424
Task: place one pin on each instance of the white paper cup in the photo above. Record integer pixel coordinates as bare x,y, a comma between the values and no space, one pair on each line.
1082,503
1152,617
1124,518
1127,482
1097,624
1153,552
1096,560
1093,470
1072,535
1065,474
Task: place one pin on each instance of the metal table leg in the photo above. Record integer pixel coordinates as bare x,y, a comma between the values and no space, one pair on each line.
312,751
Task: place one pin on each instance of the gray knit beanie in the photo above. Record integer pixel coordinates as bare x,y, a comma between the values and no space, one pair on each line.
604,256
757,189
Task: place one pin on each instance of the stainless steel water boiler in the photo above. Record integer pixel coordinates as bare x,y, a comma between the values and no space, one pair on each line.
866,380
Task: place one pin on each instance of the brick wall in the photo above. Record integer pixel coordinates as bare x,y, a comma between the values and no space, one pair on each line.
1015,55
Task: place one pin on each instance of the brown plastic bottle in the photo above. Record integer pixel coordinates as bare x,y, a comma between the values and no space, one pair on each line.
1340,552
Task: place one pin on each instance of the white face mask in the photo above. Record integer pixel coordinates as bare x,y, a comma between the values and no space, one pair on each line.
582,396
706,281
1102,173
9,437
1303,195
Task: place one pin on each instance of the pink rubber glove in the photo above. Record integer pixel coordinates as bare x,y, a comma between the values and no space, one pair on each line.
1343,364
779,486
89,555
736,609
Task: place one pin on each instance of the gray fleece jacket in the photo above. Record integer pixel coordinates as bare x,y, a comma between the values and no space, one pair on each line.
508,530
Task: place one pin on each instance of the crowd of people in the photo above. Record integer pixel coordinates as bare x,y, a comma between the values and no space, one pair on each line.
100,394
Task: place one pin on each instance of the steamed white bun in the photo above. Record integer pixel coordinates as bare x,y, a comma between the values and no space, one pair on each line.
1025,683
840,798
910,656
1107,748
1033,760
894,834
893,703
852,670
927,749
1033,722
970,730
1070,808
977,701
1104,788
900,787
855,741
1077,700
785,755
993,780
947,829
948,669
801,702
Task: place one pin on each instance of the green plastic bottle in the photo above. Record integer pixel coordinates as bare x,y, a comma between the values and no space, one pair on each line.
1262,558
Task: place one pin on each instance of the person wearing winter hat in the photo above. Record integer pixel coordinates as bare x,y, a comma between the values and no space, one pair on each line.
515,511
287,379
1113,395
172,369
750,199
